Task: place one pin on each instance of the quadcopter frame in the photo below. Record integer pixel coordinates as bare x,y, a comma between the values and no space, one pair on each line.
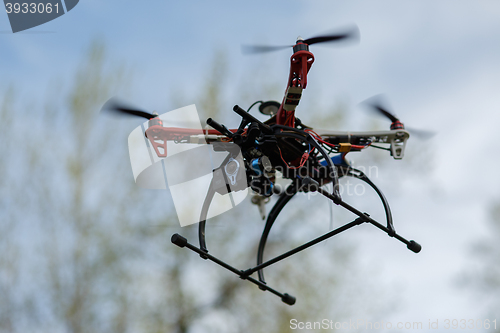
299,184
281,142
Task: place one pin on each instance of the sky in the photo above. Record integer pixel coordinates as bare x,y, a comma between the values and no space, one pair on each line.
438,62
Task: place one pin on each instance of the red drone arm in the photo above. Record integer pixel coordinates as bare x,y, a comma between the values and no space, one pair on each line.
300,63
159,135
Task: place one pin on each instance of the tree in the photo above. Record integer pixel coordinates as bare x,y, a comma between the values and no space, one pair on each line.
482,275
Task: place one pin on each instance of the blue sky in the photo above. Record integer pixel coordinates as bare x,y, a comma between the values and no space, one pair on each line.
437,61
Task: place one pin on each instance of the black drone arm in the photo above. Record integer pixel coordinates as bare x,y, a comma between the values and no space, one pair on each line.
248,117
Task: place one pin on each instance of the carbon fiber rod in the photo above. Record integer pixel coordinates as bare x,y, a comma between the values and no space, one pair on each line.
304,246
410,244
182,242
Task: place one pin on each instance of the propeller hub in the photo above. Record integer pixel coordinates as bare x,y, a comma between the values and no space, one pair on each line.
300,45
155,120
397,125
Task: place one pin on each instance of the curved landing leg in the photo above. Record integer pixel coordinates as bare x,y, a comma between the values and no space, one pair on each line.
203,220
278,206
360,175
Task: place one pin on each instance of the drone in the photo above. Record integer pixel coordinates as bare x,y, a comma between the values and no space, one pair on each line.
257,151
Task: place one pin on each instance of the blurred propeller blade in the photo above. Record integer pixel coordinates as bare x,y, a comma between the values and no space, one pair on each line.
420,133
377,104
253,49
384,112
323,39
352,33
115,106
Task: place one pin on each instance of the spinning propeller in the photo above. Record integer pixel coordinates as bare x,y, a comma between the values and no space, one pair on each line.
114,106
375,104
351,34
